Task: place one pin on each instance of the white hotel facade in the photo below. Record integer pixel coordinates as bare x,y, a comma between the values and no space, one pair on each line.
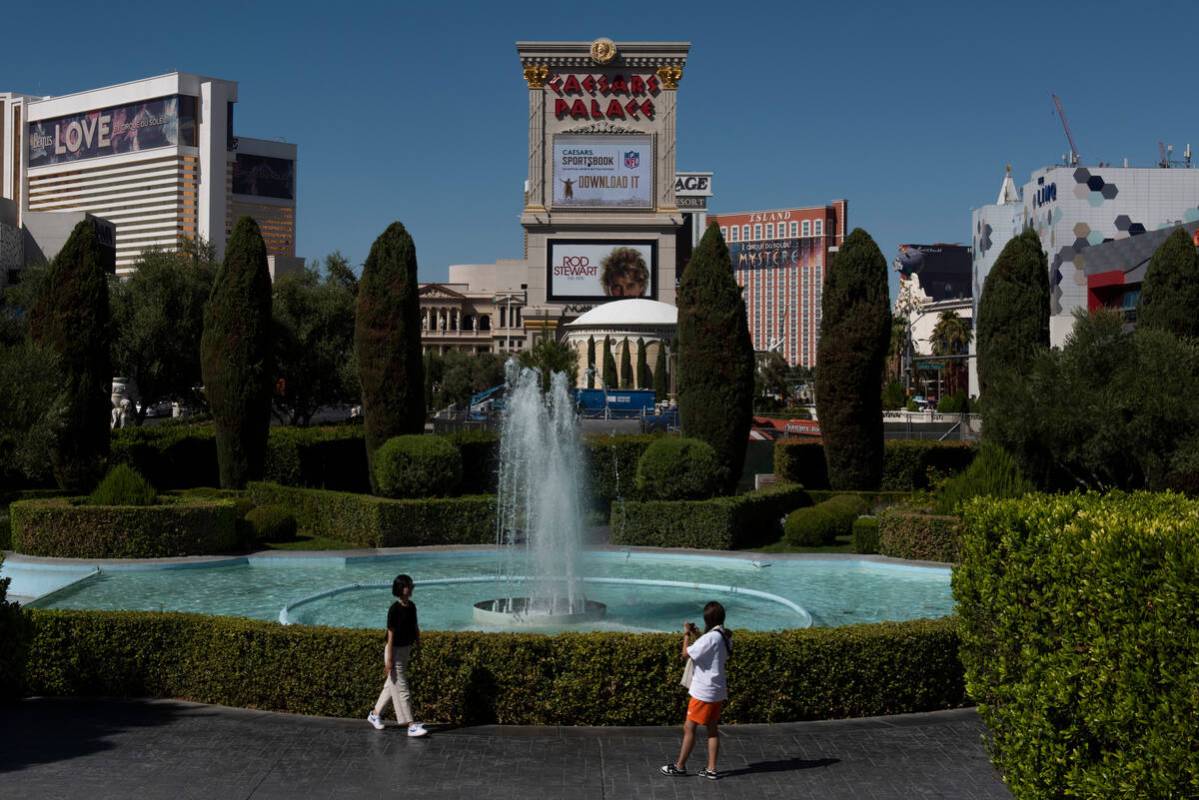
155,157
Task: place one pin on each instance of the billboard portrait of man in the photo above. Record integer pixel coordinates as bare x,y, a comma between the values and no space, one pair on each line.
624,273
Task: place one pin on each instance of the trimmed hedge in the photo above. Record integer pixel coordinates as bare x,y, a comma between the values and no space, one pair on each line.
170,456
865,535
507,678
1080,628
271,524
15,633
721,523
381,522
906,463
677,468
331,457
612,465
824,522
64,528
480,451
7,498
903,533
421,465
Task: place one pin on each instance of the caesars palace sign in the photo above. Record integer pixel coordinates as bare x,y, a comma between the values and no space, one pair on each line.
604,96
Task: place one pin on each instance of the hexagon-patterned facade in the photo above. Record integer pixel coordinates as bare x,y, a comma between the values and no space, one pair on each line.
1074,208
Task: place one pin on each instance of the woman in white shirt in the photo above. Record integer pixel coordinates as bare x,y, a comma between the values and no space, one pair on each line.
708,687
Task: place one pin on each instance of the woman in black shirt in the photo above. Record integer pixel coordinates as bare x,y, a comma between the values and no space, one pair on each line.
403,633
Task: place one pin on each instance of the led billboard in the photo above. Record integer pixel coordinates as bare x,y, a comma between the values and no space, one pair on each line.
603,171
598,270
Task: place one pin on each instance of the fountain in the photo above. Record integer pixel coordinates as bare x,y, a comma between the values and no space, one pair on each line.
539,514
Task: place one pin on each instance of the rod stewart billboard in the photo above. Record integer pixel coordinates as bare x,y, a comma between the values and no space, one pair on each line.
602,269
603,171
162,122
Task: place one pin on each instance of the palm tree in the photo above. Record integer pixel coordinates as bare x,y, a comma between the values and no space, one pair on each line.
900,339
951,337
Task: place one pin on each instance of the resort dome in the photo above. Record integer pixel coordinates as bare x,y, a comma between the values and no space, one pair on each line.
634,311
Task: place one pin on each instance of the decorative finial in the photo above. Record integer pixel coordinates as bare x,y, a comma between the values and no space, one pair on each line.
1009,169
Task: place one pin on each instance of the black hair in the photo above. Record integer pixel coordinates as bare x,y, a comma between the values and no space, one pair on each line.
713,615
401,581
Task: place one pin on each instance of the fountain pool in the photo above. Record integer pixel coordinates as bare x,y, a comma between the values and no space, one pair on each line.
643,590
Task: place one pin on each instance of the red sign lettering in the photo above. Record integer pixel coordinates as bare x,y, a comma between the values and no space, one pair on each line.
636,88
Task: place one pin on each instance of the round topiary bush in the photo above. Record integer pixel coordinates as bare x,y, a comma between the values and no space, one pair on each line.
418,466
814,526
271,524
123,486
677,469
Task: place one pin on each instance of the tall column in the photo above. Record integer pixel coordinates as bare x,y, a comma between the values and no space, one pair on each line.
667,103
536,76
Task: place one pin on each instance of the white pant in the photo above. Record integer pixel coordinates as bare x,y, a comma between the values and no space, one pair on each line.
396,687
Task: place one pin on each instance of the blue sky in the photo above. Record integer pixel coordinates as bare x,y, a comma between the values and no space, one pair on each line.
417,112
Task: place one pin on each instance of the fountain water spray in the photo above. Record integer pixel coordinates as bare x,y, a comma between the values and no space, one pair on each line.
539,523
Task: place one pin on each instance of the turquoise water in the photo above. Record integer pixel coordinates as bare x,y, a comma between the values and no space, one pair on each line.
833,592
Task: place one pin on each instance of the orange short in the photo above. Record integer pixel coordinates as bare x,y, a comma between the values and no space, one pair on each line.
702,713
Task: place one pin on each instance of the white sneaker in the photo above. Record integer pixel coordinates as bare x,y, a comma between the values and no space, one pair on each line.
417,729
374,719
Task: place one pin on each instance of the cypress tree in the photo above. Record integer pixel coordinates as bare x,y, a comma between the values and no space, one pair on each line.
1013,312
715,356
626,366
71,317
387,342
660,378
236,358
1170,292
855,332
644,381
609,366
590,362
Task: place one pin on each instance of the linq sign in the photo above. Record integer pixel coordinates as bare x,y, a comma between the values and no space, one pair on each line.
635,88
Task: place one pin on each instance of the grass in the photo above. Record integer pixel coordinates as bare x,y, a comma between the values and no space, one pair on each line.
844,545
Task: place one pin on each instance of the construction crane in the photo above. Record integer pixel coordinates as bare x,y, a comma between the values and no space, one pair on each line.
1061,113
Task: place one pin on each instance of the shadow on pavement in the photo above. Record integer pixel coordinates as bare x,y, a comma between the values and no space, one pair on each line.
780,765
44,730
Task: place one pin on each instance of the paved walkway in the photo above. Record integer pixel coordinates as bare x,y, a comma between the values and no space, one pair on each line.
168,749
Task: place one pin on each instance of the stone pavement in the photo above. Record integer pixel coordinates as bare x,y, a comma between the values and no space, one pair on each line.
169,749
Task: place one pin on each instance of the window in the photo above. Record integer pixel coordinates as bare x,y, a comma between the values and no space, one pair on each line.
818,227
807,231
745,233
733,232
794,229
758,231
769,230
724,232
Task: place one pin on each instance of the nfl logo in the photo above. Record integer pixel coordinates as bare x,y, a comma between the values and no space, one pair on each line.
632,159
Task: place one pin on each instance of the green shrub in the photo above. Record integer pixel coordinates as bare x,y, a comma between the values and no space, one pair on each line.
911,405
612,465
824,522
271,524
865,535
417,466
677,469
123,487
956,403
170,456
908,465
1080,628
994,473
1013,311
871,501
480,451
65,528
810,527
801,461
893,395
15,632
329,457
903,533
381,522
720,523
508,678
